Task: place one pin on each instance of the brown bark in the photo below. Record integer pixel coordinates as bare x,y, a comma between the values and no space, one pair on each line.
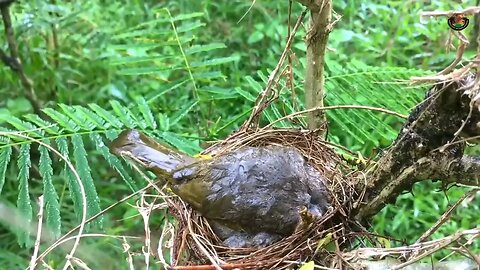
430,146
317,37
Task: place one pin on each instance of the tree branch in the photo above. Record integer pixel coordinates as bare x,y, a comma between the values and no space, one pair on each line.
426,148
13,61
317,37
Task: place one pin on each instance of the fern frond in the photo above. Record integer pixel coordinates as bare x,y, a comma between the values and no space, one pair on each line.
110,119
5,155
146,113
113,161
125,115
80,119
62,120
24,204
83,168
352,84
73,185
52,207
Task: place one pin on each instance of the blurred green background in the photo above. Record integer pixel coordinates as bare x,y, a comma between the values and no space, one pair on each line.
198,66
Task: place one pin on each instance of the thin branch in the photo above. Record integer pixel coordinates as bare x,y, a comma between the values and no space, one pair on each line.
262,102
39,233
445,216
467,11
336,107
13,61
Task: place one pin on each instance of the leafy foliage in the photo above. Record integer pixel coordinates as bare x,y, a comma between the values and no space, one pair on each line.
354,84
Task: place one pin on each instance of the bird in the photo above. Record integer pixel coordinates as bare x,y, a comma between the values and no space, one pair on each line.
251,196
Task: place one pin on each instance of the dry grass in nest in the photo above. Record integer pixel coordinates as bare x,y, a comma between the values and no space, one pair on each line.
196,244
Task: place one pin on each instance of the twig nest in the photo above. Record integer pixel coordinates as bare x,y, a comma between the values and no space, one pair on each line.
283,217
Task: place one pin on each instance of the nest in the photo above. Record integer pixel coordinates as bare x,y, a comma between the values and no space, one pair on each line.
196,244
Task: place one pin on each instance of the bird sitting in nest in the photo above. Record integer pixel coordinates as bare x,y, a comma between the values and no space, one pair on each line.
252,196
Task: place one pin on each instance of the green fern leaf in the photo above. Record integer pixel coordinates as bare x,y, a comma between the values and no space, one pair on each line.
67,174
97,121
79,118
23,126
180,143
182,112
214,62
109,117
245,94
23,201
5,155
183,17
146,112
45,125
62,120
113,161
124,115
204,48
83,168
165,89
52,207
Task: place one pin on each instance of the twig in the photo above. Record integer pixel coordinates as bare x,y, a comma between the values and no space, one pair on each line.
445,216
13,61
467,11
213,267
260,103
126,249
39,233
362,107
145,213
66,236
77,177
440,245
290,62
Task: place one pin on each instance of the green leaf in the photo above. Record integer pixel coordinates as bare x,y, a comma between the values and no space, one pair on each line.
23,201
146,70
213,62
96,120
204,48
83,168
23,126
188,27
5,155
78,118
108,116
245,94
45,125
183,111
308,266
113,161
52,207
61,119
72,183
183,17
181,143
138,59
146,112
124,114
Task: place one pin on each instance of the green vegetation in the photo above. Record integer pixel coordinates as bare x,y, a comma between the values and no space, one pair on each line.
188,73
